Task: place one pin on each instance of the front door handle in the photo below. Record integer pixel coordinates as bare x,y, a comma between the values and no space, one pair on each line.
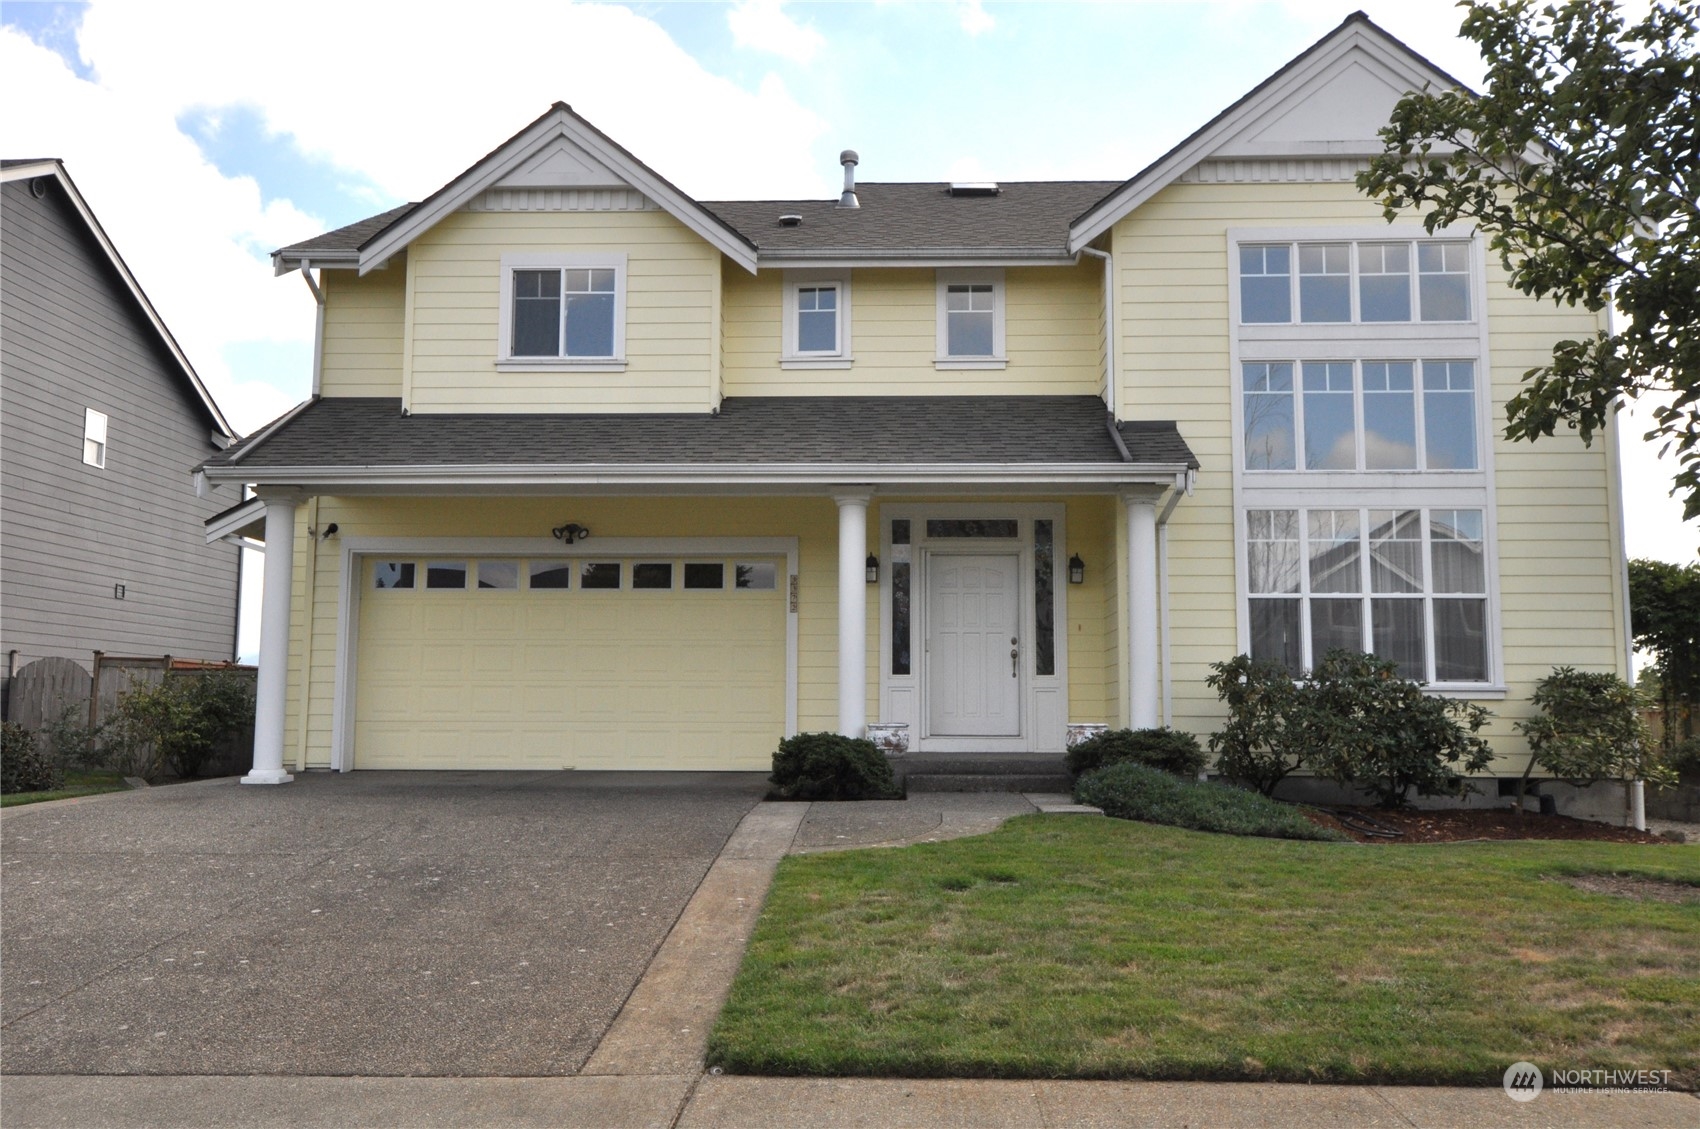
1014,659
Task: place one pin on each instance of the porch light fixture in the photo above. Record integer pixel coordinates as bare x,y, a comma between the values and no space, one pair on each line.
570,532
873,569
1076,570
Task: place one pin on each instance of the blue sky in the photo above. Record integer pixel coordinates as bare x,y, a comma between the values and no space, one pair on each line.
205,134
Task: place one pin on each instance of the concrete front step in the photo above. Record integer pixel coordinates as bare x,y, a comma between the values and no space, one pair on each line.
989,782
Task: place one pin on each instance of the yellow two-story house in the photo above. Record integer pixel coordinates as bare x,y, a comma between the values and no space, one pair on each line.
597,475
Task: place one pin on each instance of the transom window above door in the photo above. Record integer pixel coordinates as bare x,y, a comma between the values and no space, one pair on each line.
563,311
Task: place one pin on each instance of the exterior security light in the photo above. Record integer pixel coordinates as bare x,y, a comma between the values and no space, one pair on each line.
873,569
1076,570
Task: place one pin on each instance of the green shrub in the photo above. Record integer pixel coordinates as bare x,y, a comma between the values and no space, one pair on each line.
1135,791
1684,756
829,766
1590,729
179,723
1382,733
71,744
23,766
1168,749
1269,731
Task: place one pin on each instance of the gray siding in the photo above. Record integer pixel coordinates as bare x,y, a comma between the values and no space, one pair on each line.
72,338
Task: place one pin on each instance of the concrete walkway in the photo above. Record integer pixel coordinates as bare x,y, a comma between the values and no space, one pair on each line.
648,1068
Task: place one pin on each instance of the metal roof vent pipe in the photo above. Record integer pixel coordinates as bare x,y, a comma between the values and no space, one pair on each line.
849,160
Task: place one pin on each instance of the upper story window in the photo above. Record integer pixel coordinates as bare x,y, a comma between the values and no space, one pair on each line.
1360,415
971,319
94,438
817,320
563,310
1364,282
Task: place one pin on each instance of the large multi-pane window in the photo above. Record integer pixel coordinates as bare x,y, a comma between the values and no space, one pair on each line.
1366,282
1408,585
1360,415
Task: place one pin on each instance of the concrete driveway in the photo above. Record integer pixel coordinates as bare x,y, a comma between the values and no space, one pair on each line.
368,924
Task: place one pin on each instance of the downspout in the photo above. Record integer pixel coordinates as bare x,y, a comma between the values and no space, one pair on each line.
1110,342
318,325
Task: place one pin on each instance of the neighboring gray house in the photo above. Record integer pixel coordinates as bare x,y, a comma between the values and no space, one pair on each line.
102,419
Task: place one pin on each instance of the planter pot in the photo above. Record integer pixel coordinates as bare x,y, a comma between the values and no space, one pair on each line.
891,738
1079,731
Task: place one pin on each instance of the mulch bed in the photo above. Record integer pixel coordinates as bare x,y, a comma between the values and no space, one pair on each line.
1458,825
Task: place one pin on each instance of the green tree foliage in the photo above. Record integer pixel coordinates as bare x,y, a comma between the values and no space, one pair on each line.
178,723
1664,609
1269,732
1590,729
1579,163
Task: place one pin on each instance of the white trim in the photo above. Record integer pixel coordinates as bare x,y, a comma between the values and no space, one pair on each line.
1356,34
559,122
943,281
232,522
56,169
790,356
555,260
350,586
967,258
897,688
95,431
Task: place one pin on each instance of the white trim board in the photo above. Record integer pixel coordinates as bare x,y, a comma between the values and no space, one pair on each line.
349,589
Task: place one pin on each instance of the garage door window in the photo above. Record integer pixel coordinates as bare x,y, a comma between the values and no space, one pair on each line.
551,574
393,574
700,575
599,574
445,574
500,575
650,574
756,576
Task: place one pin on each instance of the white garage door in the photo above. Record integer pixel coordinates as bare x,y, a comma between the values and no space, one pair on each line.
634,663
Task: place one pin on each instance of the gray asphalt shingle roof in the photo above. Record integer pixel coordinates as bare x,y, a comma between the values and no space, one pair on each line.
352,432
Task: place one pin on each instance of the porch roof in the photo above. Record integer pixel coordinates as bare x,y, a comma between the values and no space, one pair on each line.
826,433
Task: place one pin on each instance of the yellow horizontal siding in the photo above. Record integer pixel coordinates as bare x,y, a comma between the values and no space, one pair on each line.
1555,518
1053,335
361,350
672,315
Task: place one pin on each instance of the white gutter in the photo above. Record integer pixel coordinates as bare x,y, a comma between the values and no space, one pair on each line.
1110,337
318,326
672,474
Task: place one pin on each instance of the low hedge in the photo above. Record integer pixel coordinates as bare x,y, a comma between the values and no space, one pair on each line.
1171,750
830,766
1136,791
23,766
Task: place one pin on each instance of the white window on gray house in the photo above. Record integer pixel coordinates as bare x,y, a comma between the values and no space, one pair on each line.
564,313
1408,585
94,438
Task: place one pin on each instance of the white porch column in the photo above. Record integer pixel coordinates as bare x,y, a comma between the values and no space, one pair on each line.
852,613
273,688
1142,610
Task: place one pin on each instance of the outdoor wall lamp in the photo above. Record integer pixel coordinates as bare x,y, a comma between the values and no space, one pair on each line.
1076,570
873,569
570,532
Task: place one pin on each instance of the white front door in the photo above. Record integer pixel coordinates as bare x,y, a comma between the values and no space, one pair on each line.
972,659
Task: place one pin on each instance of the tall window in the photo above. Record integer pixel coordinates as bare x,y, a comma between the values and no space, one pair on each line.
971,318
1407,585
94,438
817,319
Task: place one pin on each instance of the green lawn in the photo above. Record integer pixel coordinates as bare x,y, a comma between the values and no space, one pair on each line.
76,784
1098,948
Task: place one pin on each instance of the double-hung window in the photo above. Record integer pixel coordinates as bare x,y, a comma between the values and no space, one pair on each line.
94,438
563,311
1365,506
971,319
817,320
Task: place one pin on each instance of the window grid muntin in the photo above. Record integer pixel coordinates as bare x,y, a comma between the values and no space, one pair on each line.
1264,526
819,304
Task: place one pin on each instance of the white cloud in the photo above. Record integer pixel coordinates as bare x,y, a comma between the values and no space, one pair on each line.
974,18
762,25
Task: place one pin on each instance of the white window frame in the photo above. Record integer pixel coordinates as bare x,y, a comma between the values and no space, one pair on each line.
1417,341
998,358
791,356
1494,687
517,261
94,438
1295,239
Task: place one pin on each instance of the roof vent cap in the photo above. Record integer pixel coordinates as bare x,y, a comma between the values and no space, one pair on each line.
849,160
790,219
974,188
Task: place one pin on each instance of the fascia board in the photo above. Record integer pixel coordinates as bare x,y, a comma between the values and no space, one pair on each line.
505,160
57,171
283,264
1301,72
238,522
664,474
947,257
